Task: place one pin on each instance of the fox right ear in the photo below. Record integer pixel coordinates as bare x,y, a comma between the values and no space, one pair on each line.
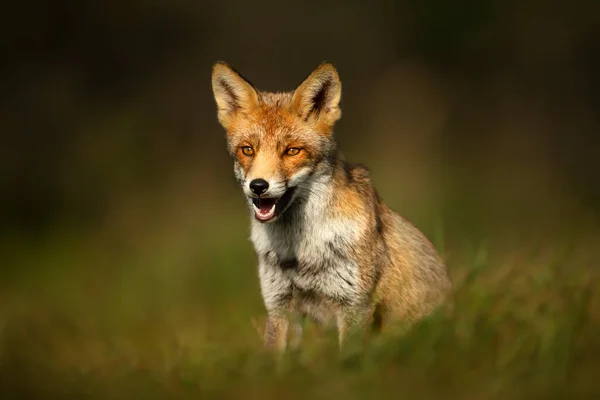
232,92
319,95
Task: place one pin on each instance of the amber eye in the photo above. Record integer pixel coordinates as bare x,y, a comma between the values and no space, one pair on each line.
247,150
292,151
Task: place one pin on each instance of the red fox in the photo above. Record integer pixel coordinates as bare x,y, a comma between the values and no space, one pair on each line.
328,247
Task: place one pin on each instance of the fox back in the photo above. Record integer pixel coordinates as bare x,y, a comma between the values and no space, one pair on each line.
328,247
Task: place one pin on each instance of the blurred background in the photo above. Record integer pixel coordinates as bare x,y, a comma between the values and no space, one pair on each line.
120,216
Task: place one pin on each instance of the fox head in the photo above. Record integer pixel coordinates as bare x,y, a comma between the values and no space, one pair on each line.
280,142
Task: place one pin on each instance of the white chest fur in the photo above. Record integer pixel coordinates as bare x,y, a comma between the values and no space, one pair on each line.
309,261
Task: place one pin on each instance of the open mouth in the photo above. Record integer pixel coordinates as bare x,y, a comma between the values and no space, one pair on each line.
264,209
267,208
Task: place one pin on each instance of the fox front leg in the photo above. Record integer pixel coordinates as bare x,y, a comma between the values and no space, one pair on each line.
351,332
296,331
276,332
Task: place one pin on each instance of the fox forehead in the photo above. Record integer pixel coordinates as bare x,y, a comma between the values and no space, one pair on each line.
272,124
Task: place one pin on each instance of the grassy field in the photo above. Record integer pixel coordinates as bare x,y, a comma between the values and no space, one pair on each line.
169,307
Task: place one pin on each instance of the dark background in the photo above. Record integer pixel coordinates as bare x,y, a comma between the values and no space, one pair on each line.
103,98
478,119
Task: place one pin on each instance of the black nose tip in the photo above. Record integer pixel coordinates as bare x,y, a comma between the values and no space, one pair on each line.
259,186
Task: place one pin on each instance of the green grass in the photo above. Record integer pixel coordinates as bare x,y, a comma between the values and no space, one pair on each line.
174,311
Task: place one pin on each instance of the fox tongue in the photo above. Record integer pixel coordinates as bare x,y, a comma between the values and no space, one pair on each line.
265,205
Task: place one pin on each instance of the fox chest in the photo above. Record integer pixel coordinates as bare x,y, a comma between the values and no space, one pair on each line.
316,278
312,270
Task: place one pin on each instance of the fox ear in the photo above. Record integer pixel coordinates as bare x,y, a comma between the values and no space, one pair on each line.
319,95
233,93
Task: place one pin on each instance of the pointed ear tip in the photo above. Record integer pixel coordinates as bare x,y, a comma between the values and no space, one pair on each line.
328,69
327,66
220,66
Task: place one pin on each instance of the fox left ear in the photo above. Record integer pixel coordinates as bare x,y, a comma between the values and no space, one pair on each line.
233,93
318,97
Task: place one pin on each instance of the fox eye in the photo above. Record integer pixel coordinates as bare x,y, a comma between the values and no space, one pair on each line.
247,151
292,151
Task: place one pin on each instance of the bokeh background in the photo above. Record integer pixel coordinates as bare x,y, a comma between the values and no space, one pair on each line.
126,267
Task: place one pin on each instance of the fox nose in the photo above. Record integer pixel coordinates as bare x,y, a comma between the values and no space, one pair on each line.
259,186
